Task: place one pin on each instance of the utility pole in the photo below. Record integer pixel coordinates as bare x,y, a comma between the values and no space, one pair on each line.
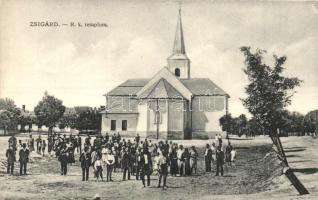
157,117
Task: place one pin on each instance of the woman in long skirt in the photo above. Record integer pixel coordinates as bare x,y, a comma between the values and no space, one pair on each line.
228,154
173,162
187,167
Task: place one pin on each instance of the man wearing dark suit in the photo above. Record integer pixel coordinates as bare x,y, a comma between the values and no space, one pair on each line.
10,154
126,159
146,166
24,159
163,168
137,138
38,144
106,137
208,158
13,142
63,158
85,160
219,161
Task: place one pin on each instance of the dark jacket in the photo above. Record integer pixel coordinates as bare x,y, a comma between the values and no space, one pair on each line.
10,154
85,160
209,155
24,155
220,157
63,156
126,160
142,159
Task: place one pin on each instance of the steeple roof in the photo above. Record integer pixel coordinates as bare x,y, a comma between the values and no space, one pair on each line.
179,51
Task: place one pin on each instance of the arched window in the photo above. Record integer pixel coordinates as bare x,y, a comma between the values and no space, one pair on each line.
177,72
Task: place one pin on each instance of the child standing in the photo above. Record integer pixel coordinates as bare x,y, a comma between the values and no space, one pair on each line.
98,168
156,163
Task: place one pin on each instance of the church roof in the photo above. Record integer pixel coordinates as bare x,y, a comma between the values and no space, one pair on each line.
129,87
197,86
203,86
161,89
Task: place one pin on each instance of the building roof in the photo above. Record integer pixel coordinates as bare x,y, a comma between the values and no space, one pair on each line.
203,86
197,86
129,87
161,89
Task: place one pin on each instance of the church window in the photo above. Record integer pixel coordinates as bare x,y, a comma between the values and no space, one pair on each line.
124,125
177,72
158,117
113,125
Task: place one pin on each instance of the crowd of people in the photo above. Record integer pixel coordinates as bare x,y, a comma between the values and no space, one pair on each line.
112,153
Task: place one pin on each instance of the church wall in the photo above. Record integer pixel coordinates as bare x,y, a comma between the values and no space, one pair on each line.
142,122
206,112
176,119
122,104
163,125
131,124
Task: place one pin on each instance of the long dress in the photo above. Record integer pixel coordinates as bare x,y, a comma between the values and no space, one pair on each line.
173,163
228,153
187,167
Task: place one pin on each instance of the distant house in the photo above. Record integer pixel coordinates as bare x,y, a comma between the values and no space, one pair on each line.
170,105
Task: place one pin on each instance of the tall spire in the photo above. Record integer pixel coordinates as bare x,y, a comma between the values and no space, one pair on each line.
178,62
178,46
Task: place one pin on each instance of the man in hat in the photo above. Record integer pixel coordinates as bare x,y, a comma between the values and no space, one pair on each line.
110,160
219,161
85,160
126,163
10,154
137,138
38,144
163,168
106,138
208,158
31,143
23,158
146,166
63,158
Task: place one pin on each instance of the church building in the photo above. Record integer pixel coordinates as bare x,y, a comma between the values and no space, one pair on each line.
170,105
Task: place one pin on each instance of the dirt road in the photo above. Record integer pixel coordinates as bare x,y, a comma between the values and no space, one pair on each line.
257,174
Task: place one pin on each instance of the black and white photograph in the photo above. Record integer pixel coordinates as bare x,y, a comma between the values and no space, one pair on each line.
160,100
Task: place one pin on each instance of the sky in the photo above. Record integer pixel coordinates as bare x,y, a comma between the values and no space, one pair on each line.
80,64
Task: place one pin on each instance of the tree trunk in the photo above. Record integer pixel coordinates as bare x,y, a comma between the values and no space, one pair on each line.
295,181
287,171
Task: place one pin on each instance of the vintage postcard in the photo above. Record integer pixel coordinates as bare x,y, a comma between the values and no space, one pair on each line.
162,99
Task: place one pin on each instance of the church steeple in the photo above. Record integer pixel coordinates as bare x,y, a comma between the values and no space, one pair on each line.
178,62
178,46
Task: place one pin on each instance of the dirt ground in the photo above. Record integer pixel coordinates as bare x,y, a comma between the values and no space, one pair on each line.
257,174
